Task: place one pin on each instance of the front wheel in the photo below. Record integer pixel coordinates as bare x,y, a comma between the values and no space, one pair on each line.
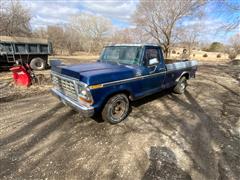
116,109
181,86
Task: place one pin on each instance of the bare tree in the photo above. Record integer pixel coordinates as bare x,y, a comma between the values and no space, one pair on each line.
14,19
160,18
56,36
40,33
93,29
230,11
234,49
122,36
72,40
129,35
64,38
189,36
235,42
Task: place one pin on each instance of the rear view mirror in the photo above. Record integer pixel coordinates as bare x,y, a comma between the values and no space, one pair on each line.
153,61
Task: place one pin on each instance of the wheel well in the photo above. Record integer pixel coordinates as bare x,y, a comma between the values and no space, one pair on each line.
186,75
127,93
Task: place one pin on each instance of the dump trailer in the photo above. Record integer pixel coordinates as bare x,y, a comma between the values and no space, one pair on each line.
32,51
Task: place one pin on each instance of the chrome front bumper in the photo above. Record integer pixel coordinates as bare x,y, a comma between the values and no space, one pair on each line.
86,111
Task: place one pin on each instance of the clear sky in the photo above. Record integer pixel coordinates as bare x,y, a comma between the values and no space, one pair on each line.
52,12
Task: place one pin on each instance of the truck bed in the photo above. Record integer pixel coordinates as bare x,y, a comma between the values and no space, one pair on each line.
176,65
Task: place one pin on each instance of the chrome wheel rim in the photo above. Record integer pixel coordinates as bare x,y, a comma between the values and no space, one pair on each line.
118,110
39,64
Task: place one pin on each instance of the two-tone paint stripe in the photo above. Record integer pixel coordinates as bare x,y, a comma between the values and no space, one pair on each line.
139,78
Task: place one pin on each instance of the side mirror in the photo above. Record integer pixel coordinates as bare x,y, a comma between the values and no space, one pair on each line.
153,61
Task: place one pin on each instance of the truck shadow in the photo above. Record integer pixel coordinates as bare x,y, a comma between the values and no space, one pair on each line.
206,133
97,117
201,137
150,98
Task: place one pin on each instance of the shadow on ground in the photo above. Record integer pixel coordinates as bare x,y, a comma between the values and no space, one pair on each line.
166,136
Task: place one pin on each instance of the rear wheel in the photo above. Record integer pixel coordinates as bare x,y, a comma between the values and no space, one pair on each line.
181,86
38,64
116,109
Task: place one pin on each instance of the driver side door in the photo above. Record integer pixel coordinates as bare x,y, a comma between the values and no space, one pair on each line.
154,69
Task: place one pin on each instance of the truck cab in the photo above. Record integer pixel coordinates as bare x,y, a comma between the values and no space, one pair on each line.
123,73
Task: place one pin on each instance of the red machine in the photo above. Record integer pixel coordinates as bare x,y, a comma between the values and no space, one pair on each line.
23,75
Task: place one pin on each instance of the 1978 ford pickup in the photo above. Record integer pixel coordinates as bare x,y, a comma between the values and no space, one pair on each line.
123,73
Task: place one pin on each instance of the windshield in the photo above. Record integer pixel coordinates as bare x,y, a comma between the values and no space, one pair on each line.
122,54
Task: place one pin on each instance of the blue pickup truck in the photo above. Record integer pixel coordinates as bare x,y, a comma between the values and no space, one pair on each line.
123,73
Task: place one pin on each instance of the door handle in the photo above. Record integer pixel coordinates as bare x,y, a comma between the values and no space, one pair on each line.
155,67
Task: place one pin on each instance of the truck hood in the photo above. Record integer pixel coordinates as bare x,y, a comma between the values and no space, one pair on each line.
97,73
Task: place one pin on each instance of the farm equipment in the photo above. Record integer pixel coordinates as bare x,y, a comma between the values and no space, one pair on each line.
23,75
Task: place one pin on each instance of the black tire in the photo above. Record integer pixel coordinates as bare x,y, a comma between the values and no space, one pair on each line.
181,86
38,64
116,109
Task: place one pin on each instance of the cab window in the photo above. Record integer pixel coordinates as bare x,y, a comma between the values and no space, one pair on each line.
151,56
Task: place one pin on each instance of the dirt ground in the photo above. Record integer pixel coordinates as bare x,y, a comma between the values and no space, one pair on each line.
166,136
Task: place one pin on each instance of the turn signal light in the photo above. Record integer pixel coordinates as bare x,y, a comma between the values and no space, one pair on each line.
96,86
89,101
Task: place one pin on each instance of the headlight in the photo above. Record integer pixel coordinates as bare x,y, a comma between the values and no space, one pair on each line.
84,95
84,92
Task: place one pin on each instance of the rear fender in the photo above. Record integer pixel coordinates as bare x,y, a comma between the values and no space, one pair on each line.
184,73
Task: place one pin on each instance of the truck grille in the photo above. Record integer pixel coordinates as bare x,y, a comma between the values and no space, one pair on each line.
65,86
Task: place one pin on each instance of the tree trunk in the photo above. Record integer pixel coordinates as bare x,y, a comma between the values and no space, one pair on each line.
166,51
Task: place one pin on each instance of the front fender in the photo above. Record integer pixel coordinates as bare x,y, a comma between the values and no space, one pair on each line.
101,95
